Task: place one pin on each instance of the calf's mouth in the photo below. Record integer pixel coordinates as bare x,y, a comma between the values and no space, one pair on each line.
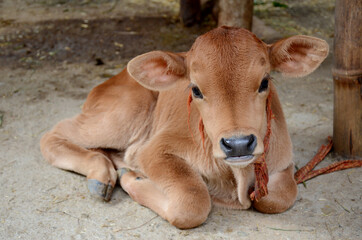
241,161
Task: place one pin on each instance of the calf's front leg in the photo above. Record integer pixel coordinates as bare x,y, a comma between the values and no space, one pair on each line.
172,189
282,190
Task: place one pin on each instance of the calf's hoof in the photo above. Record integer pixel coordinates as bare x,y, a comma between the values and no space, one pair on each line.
100,190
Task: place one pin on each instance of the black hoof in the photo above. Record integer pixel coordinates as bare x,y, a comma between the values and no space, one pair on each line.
100,190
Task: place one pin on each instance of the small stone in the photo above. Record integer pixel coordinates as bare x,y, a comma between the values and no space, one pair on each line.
328,210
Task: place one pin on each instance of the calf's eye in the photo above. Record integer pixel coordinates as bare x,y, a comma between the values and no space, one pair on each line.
264,84
197,93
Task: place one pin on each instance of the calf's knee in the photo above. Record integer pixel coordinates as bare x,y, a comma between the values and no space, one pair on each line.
282,194
189,213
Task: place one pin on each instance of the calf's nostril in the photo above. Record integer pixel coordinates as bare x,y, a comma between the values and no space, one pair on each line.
252,142
226,143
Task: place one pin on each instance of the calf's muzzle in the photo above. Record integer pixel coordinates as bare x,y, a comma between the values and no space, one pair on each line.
239,147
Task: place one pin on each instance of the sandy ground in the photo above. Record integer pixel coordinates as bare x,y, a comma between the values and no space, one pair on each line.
46,72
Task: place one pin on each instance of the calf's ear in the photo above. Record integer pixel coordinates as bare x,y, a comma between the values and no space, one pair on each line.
157,70
297,56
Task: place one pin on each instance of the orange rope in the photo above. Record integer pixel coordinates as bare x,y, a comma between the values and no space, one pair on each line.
201,130
189,100
306,172
260,167
201,123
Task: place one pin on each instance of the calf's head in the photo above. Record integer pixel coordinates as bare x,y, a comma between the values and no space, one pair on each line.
229,74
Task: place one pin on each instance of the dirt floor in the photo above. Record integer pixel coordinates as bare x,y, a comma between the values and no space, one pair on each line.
52,52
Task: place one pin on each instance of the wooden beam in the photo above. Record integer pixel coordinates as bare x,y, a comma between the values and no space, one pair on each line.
347,77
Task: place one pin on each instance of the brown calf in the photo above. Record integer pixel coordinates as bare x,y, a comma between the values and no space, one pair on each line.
139,120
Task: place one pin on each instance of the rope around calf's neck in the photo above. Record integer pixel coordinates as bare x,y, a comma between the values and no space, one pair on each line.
260,167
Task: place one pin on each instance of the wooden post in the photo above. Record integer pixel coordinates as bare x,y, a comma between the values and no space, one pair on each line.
190,12
236,13
347,77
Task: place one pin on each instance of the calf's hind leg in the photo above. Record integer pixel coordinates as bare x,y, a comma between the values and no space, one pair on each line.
64,147
116,114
